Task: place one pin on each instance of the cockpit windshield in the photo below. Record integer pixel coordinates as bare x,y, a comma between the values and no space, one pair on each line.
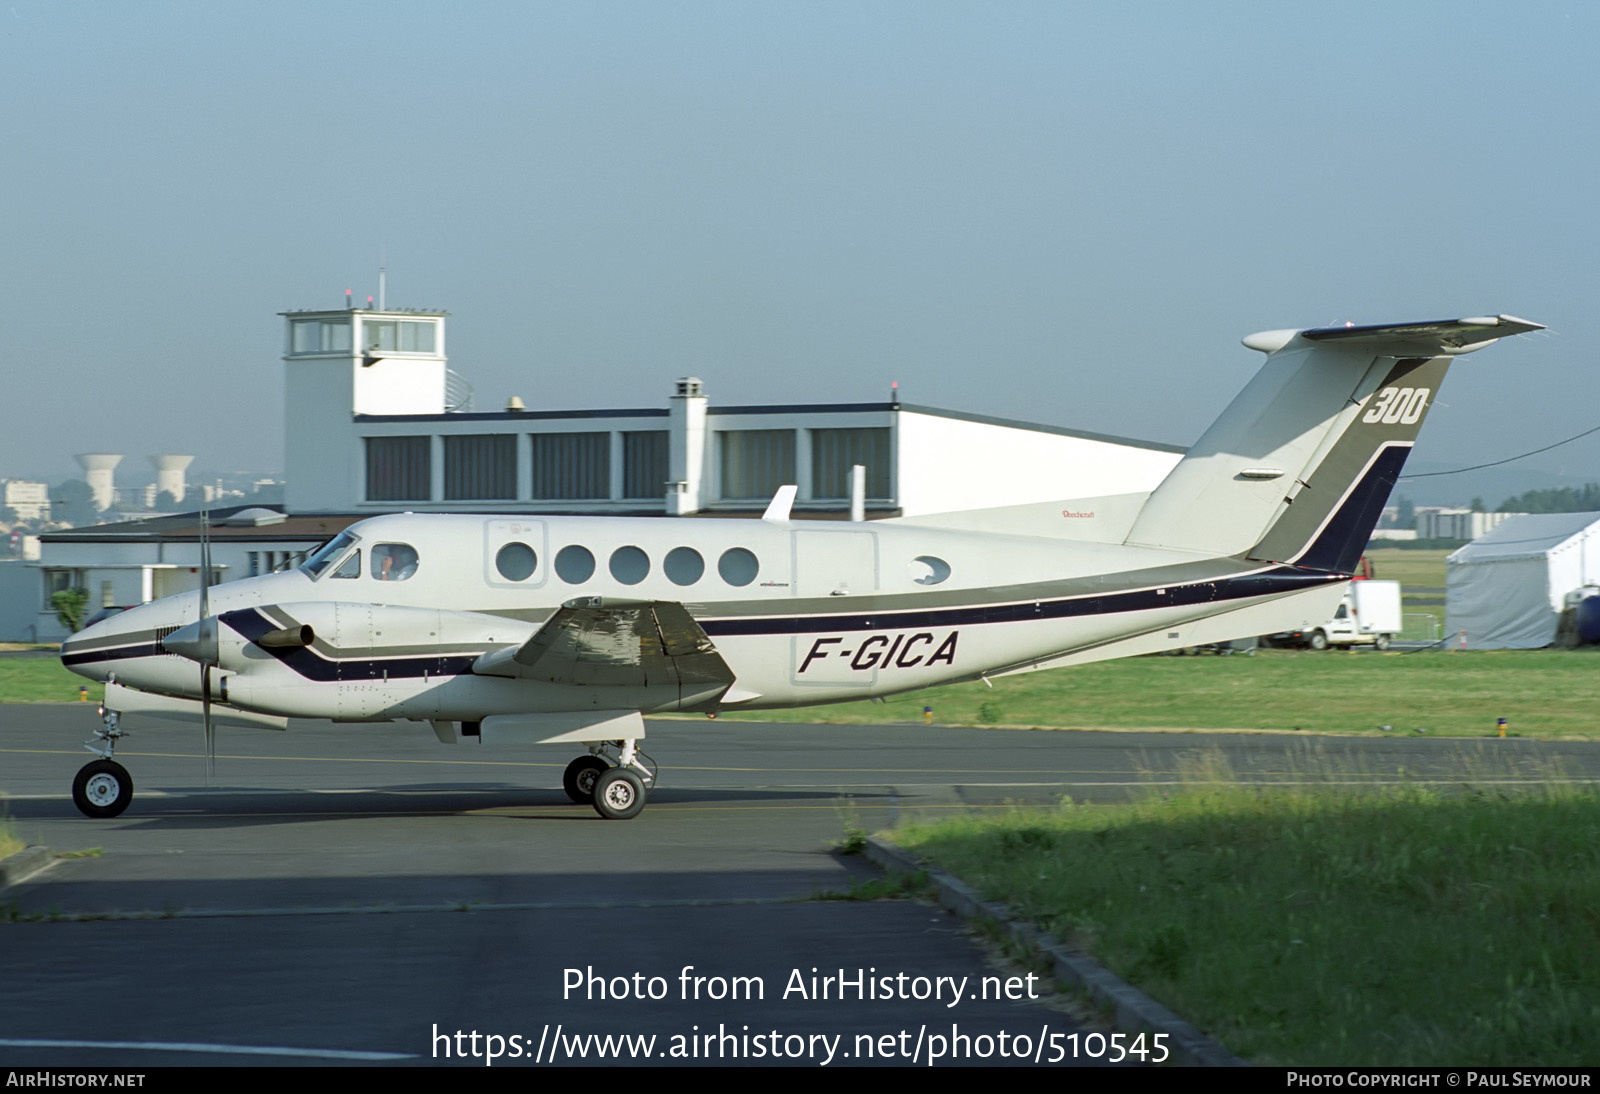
330,553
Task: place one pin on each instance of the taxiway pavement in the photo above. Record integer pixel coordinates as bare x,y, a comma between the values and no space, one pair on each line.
352,893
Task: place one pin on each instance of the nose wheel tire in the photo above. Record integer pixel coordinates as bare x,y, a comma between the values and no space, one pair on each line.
618,794
580,777
102,789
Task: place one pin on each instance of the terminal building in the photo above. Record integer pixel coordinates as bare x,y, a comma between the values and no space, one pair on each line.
375,421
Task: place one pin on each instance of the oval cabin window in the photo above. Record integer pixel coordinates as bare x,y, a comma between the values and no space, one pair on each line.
575,564
516,562
738,566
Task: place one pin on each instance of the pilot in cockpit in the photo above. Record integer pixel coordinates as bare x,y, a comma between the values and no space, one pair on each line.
393,561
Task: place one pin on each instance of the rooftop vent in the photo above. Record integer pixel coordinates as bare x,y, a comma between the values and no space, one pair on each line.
253,517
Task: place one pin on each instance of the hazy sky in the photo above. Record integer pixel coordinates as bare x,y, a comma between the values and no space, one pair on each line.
1063,212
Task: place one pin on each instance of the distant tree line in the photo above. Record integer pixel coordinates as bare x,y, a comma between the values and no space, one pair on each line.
1564,499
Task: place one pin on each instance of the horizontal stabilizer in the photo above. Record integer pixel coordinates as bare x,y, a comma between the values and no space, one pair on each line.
1431,338
1438,336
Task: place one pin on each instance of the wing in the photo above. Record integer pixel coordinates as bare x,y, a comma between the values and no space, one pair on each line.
618,643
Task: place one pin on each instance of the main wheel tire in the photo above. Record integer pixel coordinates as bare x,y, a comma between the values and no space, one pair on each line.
618,794
1381,642
1317,641
580,777
102,789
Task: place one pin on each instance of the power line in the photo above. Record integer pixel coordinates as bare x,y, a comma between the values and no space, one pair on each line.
1497,463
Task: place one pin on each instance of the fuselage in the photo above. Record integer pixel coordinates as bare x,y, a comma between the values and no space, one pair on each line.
401,608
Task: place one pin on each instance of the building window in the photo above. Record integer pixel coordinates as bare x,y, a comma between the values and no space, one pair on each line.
398,335
61,581
755,462
399,468
319,336
568,466
644,464
835,451
480,467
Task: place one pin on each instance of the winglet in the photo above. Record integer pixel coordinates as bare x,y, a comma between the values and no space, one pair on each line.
778,508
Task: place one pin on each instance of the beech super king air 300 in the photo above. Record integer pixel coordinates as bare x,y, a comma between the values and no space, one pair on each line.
569,629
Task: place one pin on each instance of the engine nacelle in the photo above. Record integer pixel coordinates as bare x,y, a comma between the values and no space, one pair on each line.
375,661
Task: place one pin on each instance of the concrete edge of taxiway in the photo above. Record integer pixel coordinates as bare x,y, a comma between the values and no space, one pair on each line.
1132,1010
24,864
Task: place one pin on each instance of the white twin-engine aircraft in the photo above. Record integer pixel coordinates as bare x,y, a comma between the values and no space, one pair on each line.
569,629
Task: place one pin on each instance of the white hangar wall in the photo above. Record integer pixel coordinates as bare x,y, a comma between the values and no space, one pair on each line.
952,463
374,422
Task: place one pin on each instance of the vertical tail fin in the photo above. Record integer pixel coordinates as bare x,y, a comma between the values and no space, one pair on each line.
1300,465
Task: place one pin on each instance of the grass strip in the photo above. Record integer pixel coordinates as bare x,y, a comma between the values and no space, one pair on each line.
1542,693
42,680
10,842
1327,926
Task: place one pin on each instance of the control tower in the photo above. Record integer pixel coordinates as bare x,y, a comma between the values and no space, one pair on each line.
351,363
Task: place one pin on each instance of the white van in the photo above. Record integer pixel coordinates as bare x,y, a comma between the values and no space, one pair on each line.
1369,615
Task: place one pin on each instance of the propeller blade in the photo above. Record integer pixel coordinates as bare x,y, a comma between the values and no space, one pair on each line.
207,644
205,721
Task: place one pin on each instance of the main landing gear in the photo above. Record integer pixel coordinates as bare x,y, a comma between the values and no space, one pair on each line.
616,787
103,787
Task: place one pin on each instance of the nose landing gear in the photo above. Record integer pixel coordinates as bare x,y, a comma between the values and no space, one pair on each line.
103,788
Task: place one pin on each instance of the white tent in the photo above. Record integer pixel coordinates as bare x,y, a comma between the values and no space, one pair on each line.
1506,589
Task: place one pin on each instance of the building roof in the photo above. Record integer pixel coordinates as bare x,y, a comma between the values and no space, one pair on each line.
185,528
778,408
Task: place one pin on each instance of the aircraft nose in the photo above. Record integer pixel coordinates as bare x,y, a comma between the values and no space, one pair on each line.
90,651
120,639
95,634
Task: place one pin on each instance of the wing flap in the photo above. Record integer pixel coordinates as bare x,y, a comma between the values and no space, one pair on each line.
618,644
